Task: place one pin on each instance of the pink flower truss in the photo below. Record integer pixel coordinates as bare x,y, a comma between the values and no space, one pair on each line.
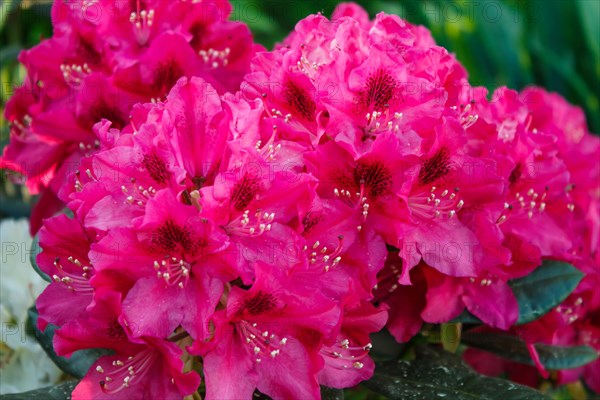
548,122
103,58
354,181
189,224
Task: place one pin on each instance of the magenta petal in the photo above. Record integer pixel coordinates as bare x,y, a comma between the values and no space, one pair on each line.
484,362
443,298
154,308
591,375
108,213
407,304
447,247
494,304
225,362
302,384
47,205
567,376
195,111
57,305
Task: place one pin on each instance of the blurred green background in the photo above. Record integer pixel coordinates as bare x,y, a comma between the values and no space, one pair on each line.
551,43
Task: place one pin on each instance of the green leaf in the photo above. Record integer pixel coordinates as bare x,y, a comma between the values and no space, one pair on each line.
436,374
515,349
539,292
78,364
588,14
57,392
35,250
12,207
7,8
544,289
9,54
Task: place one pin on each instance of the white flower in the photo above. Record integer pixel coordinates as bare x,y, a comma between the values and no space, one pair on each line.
23,363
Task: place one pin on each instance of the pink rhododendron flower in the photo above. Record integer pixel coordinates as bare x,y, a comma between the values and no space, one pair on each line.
346,360
405,302
263,331
140,368
65,258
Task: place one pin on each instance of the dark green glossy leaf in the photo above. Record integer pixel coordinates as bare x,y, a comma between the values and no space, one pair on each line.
78,364
513,348
437,374
35,250
57,392
544,289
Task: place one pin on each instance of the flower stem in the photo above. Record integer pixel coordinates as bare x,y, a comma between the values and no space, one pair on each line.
178,336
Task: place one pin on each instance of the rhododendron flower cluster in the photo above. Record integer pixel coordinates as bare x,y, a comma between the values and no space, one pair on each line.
252,216
104,57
